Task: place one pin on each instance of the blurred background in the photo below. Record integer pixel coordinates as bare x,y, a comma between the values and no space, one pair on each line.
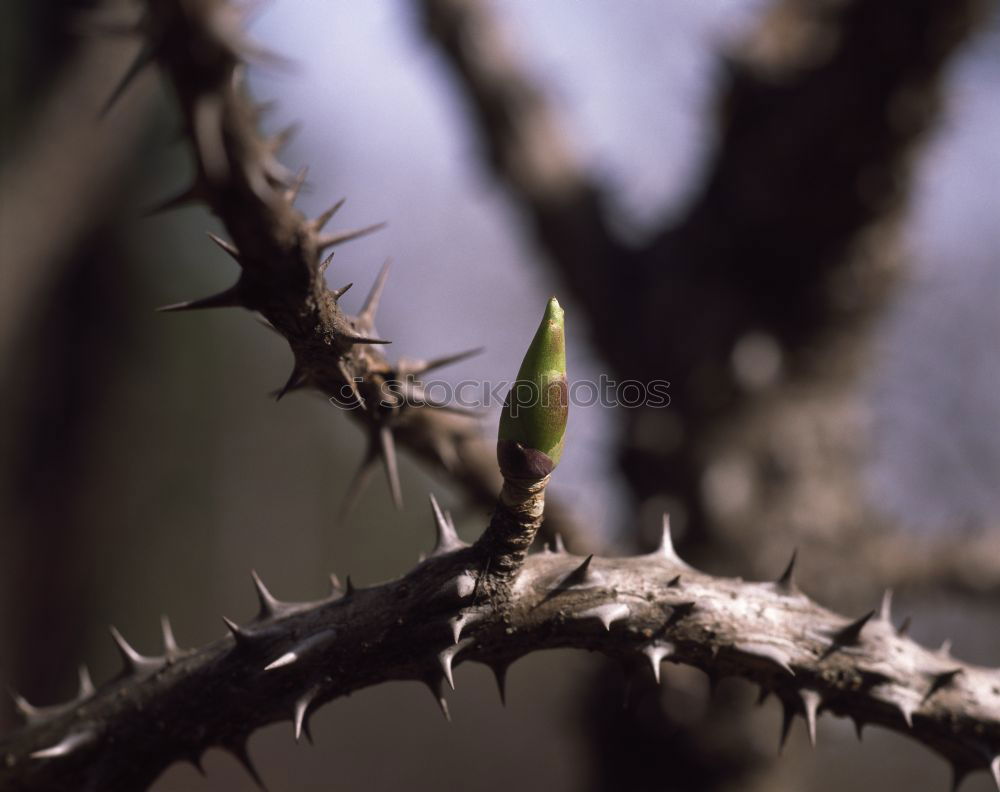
146,470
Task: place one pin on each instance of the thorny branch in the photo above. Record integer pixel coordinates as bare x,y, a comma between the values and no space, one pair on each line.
462,603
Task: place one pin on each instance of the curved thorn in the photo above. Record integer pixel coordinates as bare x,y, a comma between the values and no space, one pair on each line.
301,714
787,716
359,339
607,614
67,745
447,655
132,661
995,771
241,636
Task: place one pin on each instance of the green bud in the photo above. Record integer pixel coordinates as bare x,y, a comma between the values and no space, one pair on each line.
533,422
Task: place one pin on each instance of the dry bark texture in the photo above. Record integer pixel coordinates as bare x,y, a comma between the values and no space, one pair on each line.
488,602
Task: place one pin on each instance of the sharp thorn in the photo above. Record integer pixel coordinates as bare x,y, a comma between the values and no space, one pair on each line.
388,453
230,298
292,193
332,240
301,714
418,367
85,688
295,381
338,293
227,246
656,653
367,315
143,59
241,636
170,648
885,609
447,655
318,224
434,684
239,751
132,661
810,706
447,539
607,614
786,583
787,716
67,745
268,605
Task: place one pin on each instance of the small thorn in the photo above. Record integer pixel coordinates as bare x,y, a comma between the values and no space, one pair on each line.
145,57
583,575
360,339
241,636
859,725
558,546
230,298
786,583
295,381
447,655
434,684
67,745
885,609
656,653
268,605
787,716
958,774
325,264
277,142
674,582
188,197
240,753
388,453
810,705
945,650
666,548
849,635
995,771
301,648
904,628
447,539
301,714
349,590
338,293
133,662
906,711
292,193
85,688
30,713
228,247
336,588
768,652
419,367
941,680
170,648
332,240
324,218
366,318
763,695
607,614
500,675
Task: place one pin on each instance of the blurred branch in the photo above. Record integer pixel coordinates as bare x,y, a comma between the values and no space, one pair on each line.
757,305
527,148
453,608
61,177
